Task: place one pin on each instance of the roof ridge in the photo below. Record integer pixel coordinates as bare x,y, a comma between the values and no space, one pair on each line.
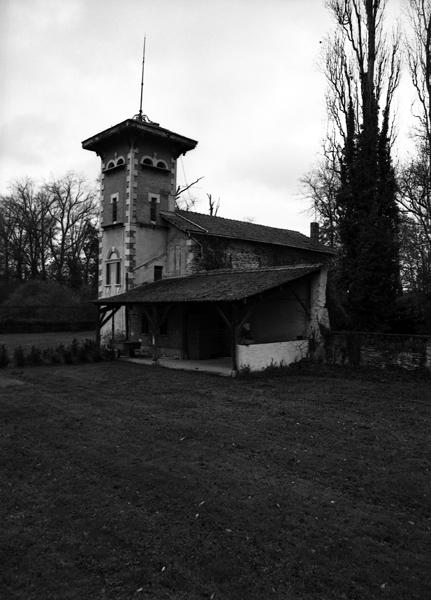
240,221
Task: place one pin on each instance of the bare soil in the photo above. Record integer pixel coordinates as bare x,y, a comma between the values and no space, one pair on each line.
120,481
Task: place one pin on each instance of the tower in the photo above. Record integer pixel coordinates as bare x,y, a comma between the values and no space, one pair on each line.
138,181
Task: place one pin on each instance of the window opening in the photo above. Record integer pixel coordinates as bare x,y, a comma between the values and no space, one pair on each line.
153,209
113,268
147,161
114,209
158,272
161,165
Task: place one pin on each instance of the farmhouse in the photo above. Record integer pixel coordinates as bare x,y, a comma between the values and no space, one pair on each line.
187,285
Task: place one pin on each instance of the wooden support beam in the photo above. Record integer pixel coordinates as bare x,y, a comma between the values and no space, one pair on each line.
223,315
156,316
305,308
105,313
234,336
108,314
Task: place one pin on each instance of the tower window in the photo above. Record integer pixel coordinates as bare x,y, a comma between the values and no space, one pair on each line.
158,272
113,268
120,161
114,208
147,160
153,209
161,165
110,164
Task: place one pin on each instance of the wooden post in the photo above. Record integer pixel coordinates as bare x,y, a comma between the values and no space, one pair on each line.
98,327
112,330
126,316
234,336
184,341
154,322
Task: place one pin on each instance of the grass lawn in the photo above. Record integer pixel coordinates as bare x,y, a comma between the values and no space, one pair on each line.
127,482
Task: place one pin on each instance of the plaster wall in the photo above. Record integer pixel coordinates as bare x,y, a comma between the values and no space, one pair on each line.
180,253
258,357
281,316
150,244
152,180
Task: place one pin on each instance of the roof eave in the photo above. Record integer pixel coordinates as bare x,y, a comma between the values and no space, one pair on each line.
102,139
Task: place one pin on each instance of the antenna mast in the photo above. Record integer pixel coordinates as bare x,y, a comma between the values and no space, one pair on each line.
140,115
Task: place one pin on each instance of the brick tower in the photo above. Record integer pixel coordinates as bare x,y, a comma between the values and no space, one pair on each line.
138,180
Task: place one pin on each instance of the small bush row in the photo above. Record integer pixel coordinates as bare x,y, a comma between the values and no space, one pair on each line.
76,352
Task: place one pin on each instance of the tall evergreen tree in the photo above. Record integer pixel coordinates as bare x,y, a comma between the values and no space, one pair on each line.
366,200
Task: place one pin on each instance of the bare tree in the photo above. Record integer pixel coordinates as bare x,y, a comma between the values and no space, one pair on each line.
213,205
418,52
182,203
25,232
362,69
415,175
320,185
48,231
72,204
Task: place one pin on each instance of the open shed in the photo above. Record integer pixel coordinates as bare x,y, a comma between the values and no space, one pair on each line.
258,317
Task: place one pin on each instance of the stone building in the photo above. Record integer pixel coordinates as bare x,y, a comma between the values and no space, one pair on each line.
193,286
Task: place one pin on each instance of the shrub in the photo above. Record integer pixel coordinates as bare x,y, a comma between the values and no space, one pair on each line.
18,356
68,357
74,348
35,356
4,357
82,353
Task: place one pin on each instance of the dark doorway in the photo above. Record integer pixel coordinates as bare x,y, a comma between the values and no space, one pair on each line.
207,335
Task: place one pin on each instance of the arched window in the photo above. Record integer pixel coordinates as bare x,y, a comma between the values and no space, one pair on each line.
110,164
120,161
148,161
113,268
161,165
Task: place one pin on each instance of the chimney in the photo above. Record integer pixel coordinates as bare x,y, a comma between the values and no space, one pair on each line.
314,232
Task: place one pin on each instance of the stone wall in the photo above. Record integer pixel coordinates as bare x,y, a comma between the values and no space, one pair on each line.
216,253
379,350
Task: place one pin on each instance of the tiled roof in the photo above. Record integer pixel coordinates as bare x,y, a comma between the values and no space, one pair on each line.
212,286
141,128
198,223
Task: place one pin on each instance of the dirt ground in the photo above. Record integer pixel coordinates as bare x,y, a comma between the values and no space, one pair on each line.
120,481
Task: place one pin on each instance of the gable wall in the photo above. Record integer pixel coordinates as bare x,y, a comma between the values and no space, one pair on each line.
239,254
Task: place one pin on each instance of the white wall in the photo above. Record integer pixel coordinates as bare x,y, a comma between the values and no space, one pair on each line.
258,357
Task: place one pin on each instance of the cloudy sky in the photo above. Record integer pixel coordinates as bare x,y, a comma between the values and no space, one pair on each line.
239,76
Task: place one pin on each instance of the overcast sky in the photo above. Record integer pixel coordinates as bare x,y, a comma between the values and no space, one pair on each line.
239,76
